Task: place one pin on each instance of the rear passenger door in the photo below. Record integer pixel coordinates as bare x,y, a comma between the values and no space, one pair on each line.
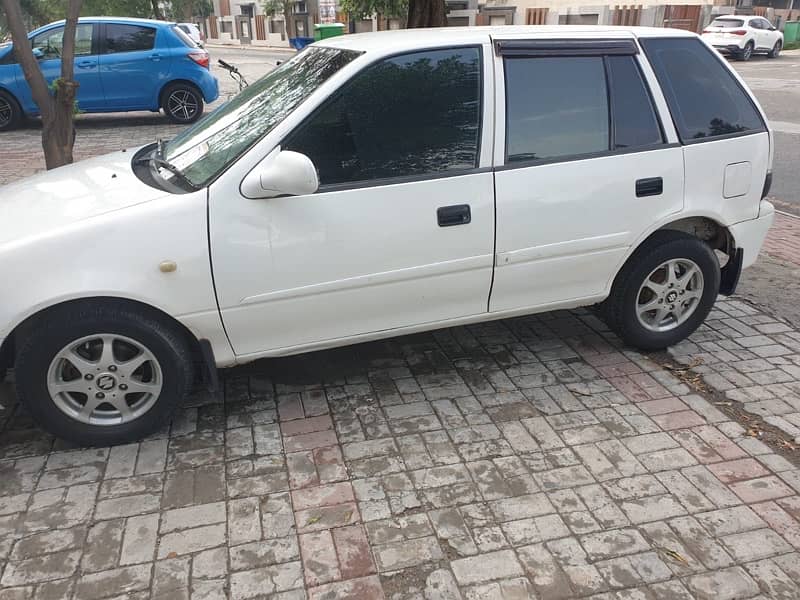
131,67
585,168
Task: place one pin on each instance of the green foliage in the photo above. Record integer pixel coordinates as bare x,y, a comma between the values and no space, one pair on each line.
276,7
362,9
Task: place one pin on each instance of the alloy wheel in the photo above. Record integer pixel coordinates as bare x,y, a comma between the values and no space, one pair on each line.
182,104
104,379
669,295
6,112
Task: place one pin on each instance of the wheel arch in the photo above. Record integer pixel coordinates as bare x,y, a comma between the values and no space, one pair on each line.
171,82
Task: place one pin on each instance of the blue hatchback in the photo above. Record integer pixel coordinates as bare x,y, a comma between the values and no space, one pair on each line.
120,65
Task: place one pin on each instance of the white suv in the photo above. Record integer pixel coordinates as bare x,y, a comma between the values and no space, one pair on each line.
382,184
742,36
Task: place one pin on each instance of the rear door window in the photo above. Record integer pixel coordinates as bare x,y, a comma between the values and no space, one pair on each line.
128,38
705,99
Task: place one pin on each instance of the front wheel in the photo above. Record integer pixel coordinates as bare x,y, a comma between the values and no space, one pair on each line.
664,292
776,50
182,103
102,374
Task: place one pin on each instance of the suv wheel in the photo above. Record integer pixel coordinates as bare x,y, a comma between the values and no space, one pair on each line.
747,51
10,112
102,374
664,292
776,50
182,103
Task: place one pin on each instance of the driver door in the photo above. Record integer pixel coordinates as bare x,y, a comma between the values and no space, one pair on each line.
401,231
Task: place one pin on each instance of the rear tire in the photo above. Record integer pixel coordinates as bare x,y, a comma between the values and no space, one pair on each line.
685,302
182,103
747,52
10,112
776,50
77,391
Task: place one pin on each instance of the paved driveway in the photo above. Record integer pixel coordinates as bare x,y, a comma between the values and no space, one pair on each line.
527,458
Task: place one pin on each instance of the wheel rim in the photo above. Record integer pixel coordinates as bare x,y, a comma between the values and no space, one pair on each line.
182,104
669,295
104,379
777,49
748,50
5,112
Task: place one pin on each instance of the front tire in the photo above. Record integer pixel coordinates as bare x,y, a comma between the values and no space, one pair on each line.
747,52
103,374
10,112
182,103
664,292
776,50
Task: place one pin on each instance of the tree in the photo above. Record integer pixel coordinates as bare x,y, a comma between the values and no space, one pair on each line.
364,9
284,7
57,102
426,13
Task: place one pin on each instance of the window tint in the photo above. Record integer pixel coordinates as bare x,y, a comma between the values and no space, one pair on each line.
555,107
756,23
635,122
414,114
51,43
128,38
703,96
732,23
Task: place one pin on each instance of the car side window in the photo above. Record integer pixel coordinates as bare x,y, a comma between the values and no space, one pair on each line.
128,38
51,43
416,114
755,24
705,99
633,114
555,107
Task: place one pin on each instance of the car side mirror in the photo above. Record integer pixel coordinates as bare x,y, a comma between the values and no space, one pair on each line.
38,54
281,173
773,28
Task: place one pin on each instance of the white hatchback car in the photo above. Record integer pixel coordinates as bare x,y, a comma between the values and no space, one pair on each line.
383,184
741,36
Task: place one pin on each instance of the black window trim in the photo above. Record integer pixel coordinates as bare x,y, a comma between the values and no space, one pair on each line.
101,42
566,47
523,164
384,181
718,57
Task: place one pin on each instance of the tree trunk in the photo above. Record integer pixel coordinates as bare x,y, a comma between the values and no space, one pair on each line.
426,13
156,10
57,109
287,19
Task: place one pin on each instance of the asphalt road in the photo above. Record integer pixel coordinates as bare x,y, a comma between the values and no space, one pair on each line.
776,84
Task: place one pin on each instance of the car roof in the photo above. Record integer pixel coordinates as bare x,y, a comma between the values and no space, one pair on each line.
120,20
403,39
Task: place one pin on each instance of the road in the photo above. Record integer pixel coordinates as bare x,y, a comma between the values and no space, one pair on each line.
776,83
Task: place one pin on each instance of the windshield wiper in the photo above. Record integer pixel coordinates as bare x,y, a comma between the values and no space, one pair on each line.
167,166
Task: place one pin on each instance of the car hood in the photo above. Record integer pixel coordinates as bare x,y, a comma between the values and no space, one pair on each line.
59,198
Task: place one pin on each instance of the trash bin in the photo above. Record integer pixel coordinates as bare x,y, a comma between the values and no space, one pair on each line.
791,32
328,30
298,43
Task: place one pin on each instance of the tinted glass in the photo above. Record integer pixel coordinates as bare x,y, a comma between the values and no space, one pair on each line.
756,23
732,23
128,38
703,96
555,107
51,43
414,114
635,122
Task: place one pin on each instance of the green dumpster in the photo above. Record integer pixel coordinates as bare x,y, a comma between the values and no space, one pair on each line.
328,30
791,32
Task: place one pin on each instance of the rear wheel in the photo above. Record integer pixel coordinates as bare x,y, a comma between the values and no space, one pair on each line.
10,112
664,292
747,52
102,374
776,50
182,103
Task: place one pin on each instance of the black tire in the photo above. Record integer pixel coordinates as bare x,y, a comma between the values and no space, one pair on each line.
10,112
747,53
64,325
776,50
177,101
619,310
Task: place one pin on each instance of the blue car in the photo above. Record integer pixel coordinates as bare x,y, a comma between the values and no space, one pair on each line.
121,64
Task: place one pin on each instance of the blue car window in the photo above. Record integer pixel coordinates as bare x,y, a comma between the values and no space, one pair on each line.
51,42
128,38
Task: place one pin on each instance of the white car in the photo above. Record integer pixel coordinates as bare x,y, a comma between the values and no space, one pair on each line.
741,36
383,184
193,31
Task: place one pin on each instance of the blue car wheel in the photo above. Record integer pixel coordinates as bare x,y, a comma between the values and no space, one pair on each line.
182,103
10,112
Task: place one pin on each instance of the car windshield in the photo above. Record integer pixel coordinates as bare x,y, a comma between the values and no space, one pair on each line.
203,151
727,23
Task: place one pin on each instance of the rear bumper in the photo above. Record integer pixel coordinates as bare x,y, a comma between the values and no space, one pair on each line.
750,235
209,86
727,48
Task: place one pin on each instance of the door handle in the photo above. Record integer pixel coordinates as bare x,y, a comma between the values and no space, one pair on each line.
651,186
85,64
155,57
458,214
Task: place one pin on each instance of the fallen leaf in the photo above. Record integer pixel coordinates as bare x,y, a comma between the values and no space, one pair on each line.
676,556
313,520
348,515
172,555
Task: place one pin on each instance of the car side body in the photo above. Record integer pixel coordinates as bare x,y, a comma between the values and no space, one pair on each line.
527,202
121,64
741,36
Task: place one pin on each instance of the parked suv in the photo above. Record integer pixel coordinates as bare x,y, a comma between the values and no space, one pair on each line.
120,65
382,184
742,36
